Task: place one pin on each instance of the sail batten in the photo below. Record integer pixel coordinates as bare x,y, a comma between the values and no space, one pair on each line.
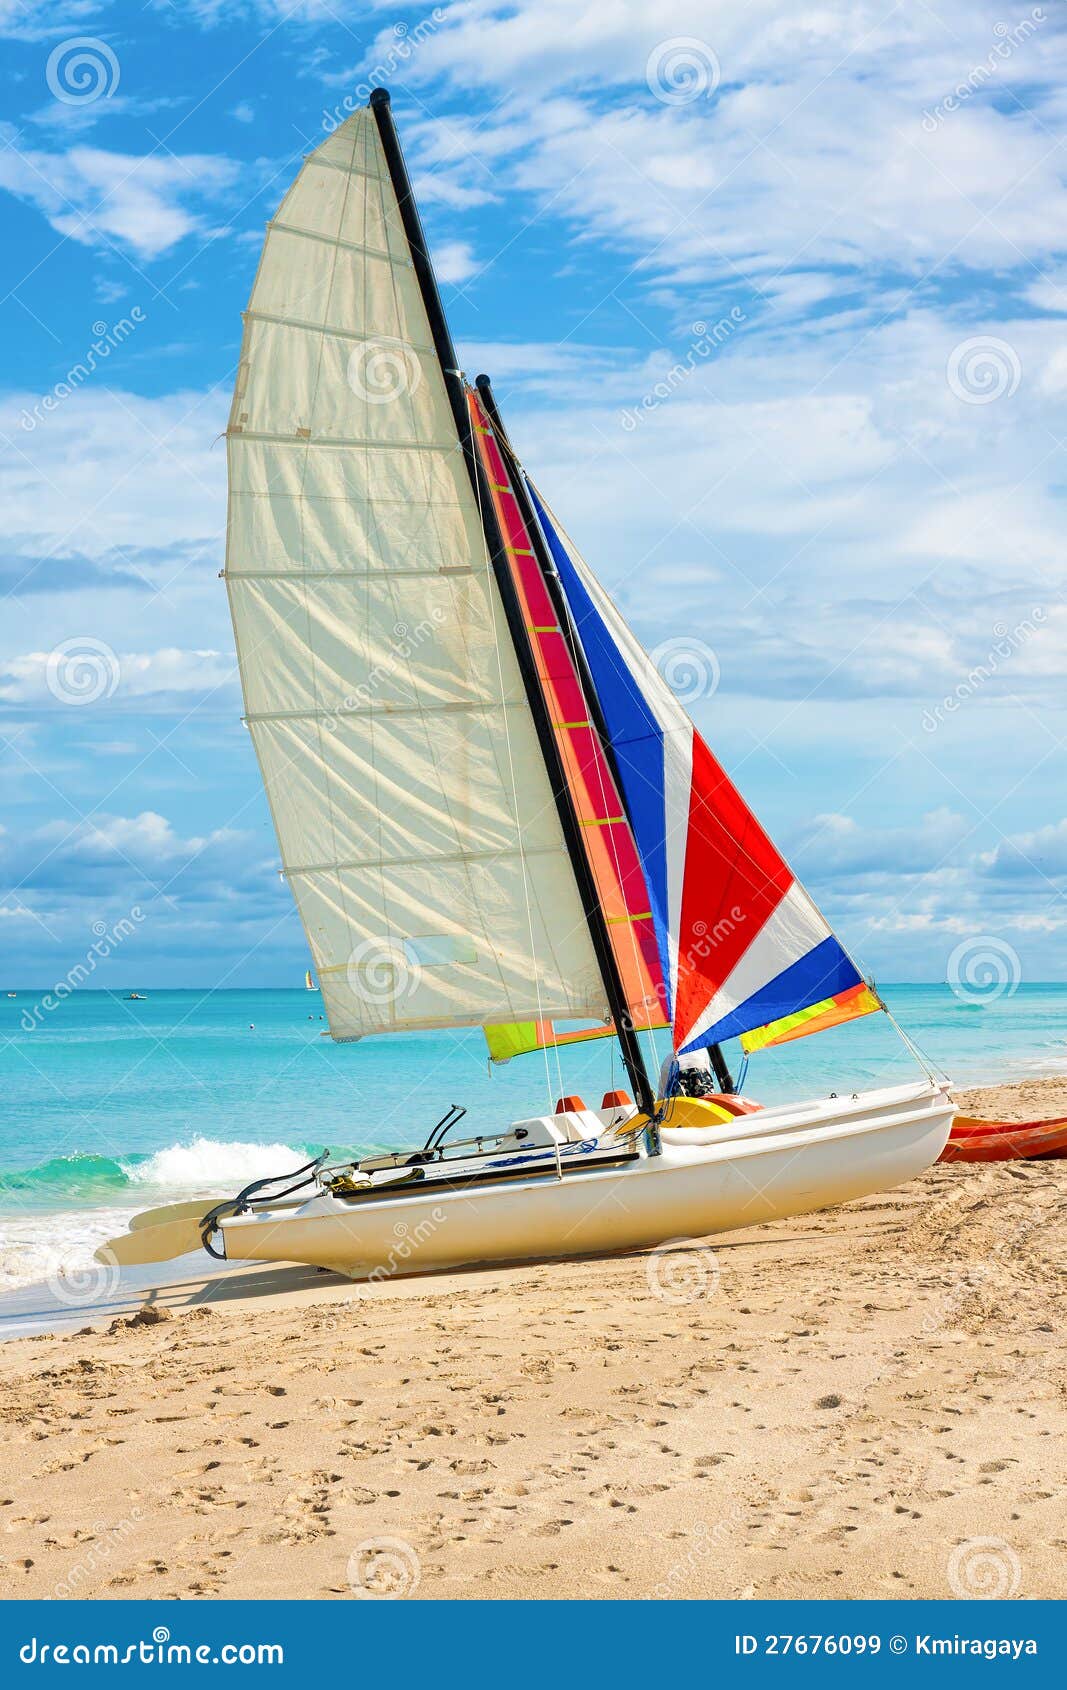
416,821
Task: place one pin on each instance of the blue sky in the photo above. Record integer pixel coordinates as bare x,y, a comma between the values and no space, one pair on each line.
774,299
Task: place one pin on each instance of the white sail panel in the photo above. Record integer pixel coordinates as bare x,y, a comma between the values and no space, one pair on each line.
417,826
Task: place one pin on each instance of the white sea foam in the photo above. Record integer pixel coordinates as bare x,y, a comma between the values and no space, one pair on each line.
207,1163
52,1243
48,1247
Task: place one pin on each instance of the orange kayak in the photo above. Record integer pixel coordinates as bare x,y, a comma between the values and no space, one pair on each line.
973,1140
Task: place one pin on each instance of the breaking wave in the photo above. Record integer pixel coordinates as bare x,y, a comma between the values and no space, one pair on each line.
200,1165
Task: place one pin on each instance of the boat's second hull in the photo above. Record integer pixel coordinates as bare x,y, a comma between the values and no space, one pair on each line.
772,1165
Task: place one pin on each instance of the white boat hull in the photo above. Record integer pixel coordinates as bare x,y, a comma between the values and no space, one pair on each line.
783,1161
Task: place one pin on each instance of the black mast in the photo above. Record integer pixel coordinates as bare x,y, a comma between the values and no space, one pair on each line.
562,609
598,928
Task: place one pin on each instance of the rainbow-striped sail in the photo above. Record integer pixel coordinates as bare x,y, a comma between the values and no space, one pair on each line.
741,942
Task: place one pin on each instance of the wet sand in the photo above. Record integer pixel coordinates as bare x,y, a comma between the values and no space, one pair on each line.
869,1401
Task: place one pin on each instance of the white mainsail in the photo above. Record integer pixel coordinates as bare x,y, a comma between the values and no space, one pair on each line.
416,822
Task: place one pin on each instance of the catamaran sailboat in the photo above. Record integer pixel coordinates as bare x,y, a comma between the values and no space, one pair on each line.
490,807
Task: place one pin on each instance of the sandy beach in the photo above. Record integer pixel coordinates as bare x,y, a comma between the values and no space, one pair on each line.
864,1402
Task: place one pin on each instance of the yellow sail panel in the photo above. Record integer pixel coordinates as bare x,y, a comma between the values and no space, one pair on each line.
518,1038
831,1012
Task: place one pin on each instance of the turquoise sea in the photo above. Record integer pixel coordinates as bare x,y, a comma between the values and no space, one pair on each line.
108,1106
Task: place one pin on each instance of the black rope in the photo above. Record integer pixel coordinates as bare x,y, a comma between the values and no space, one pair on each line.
237,1205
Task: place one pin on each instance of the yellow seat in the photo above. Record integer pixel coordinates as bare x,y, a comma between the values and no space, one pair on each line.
685,1112
695,1112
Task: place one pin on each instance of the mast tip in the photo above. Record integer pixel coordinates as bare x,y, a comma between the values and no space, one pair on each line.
482,381
379,96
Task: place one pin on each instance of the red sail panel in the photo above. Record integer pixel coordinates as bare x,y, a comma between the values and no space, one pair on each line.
609,841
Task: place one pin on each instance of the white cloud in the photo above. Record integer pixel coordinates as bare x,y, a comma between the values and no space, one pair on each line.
833,847
66,881
1050,293
147,203
454,261
1040,853
42,19
110,468
147,837
813,154
66,120
130,676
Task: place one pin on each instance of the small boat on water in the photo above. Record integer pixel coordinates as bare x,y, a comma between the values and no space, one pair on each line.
309,984
135,997
492,811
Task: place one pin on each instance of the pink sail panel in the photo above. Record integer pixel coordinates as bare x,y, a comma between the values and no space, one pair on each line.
609,842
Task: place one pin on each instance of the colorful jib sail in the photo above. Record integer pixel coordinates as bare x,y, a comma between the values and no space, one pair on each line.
740,941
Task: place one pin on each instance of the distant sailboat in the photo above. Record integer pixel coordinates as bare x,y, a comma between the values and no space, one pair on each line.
491,809
309,984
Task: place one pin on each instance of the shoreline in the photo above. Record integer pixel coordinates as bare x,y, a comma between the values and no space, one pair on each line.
834,1405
